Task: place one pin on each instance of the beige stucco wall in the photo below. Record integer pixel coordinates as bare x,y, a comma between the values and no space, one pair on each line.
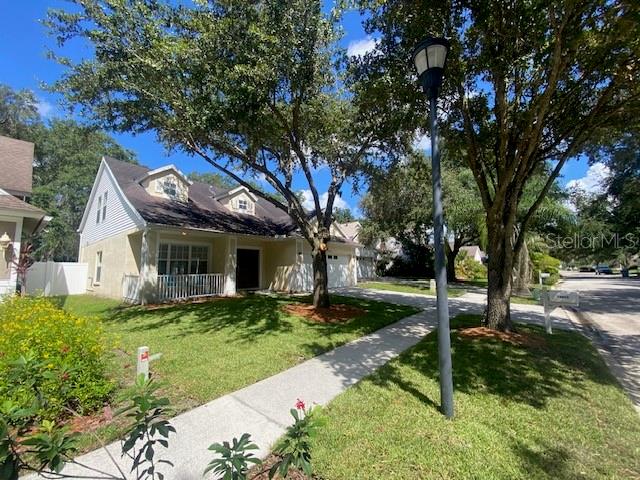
120,256
277,253
5,257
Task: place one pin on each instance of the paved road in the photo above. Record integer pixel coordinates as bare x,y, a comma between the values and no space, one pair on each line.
612,304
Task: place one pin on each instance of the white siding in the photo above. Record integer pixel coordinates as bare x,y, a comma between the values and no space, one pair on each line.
120,216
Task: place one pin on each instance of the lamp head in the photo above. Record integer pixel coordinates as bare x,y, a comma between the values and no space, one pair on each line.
429,58
5,240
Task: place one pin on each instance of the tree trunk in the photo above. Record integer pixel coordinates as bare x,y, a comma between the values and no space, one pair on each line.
500,266
320,279
452,253
522,272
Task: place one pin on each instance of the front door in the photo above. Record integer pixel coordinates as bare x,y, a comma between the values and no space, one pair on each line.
248,269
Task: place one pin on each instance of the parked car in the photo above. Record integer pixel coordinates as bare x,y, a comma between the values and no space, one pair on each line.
603,270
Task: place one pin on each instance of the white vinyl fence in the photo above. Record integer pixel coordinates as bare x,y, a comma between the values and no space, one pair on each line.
57,278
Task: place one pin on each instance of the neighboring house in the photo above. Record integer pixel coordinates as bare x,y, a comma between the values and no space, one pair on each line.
474,252
154,235
18,219
366,256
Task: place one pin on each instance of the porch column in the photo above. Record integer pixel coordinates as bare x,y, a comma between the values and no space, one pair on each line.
230,267
354,266
17,246
296,283
147,282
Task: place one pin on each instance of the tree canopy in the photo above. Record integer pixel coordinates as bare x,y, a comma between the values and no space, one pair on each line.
528,85
67,156
251,87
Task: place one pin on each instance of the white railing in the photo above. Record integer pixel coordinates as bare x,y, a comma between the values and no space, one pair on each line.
131,288
176,287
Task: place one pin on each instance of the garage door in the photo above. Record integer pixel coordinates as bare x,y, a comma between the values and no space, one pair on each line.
338,271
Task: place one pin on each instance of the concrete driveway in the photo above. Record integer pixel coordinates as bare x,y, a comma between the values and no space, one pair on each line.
611,304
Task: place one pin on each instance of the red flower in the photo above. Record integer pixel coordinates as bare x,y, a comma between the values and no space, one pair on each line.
65,349
65,376
300,404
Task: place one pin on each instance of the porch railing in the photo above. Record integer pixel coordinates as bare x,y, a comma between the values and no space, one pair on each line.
176,287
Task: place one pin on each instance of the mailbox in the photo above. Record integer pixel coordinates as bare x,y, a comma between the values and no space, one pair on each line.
553,299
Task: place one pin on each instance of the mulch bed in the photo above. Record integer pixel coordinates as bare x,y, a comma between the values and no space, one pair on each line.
337,313
514,338
88,423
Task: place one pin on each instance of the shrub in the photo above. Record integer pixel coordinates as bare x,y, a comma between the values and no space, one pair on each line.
543,262
52,356
468,268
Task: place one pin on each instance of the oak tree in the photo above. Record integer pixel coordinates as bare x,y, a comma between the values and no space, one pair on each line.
253,88
529,85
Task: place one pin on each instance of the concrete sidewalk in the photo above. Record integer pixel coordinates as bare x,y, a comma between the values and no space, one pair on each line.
262,409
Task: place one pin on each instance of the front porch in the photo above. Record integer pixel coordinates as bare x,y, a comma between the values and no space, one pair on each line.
181,264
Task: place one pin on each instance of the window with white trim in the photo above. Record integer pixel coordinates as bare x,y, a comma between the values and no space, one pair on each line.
180,259
243,204
104,207
99,209
98,273
170,187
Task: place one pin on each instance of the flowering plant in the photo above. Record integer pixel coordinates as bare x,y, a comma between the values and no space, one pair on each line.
64,355
294,450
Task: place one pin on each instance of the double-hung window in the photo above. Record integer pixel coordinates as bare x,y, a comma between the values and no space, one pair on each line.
102,208
170,187
99,209
98,273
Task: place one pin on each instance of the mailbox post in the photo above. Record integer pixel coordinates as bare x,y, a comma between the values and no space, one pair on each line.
143,359
553,299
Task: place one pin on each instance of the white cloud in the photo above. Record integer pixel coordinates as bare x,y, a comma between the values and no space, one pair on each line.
307,200
44,108
359,48
594,180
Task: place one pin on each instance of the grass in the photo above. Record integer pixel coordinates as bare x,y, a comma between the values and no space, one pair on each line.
414,287
216,347
551,411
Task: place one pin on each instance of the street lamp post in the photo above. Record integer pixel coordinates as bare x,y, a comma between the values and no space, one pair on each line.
429,58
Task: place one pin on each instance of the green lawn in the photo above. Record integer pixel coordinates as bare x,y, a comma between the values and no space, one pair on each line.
213,348
414,287
551,411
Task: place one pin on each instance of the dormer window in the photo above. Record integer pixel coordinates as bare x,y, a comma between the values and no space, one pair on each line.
239,200
167,182
169,187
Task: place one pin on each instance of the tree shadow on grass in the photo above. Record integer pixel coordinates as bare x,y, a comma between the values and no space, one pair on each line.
243,318
531,375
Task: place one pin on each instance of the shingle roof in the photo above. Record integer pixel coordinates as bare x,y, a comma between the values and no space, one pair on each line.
9,202
16,165
202,211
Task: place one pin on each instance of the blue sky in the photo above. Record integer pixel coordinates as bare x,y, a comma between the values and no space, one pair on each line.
23,64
